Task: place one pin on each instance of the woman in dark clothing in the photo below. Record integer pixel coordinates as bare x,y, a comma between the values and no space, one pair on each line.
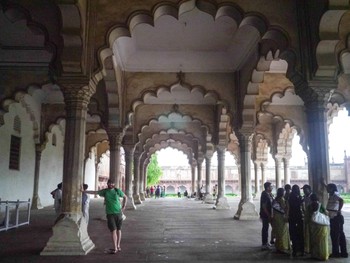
295,219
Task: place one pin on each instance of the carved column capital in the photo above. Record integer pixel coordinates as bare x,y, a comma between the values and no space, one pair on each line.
115,137
76,90
245,138
317,94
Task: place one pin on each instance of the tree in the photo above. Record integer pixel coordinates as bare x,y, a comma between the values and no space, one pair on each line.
154,172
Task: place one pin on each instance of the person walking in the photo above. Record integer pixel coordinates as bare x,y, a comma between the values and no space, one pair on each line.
265,214
334,207
114,212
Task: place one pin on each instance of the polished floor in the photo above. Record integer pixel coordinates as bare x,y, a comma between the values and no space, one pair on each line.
159,230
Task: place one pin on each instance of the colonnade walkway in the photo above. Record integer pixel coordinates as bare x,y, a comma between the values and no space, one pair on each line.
159,230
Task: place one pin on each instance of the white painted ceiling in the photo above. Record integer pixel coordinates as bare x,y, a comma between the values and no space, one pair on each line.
195,42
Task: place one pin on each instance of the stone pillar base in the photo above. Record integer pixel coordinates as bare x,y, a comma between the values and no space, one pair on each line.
70,237
137,199
208,199
142,196
36,204
130,205
247,212
222,203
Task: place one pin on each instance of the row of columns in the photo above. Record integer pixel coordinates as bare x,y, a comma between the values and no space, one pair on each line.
70,235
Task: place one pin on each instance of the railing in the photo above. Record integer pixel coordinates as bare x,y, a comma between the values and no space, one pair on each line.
10,207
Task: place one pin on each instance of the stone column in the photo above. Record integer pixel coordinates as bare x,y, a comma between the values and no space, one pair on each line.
221,200
278,172
286,171
256,181
136,194
208,188
96,173
115,136
318,148
207,175
36,204
193,173
129,155
263,176
246,209
199,173
70,235
142,180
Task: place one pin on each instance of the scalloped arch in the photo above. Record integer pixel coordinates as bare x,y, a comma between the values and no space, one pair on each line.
26,101
333,31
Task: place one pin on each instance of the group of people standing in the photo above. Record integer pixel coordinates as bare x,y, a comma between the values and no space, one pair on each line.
155,191
293,229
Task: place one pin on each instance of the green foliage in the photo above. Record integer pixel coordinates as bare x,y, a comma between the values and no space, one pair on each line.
154,173
231,195
346,198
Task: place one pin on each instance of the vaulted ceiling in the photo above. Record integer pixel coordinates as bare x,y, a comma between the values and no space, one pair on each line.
185,74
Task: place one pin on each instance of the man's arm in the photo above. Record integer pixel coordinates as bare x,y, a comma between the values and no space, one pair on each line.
341,203
90,192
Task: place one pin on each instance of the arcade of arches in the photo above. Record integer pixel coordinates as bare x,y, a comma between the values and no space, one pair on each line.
79,78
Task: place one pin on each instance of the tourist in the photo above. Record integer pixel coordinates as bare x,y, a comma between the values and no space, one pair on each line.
57,195
114,212
158,191
280,223
334,207
288,190
162,191
179,192
152,190
265,214
215,189
319,233
85,201
307,215
296,222
186,193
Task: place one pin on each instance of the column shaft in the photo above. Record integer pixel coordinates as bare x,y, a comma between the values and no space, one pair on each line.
318,150
221,171
207,175
36,204
286,171
115,138
278,173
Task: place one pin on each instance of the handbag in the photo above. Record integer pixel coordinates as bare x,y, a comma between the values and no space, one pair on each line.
320,218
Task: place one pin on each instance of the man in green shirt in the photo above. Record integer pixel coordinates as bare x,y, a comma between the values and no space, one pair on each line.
113,211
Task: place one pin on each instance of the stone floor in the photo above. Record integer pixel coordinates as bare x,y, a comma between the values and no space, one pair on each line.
161,230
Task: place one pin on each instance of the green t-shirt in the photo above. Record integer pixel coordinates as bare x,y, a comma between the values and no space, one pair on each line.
112,201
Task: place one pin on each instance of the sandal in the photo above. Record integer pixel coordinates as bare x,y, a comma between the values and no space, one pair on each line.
110,251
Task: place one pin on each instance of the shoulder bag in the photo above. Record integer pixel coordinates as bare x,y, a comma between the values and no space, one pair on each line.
320,218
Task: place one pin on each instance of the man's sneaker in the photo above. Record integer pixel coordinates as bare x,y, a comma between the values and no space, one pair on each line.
265,247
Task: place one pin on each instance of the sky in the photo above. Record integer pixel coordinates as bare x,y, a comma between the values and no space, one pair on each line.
339,140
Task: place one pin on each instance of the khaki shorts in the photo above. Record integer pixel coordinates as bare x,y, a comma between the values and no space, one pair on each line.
114,221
